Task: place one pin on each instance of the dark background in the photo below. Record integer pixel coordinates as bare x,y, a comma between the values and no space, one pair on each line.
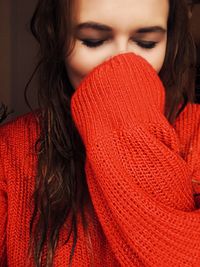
18,52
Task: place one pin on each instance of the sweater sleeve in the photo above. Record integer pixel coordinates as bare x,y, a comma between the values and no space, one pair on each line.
139,184
3,208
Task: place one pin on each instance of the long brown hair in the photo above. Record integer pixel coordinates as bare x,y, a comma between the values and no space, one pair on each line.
60,183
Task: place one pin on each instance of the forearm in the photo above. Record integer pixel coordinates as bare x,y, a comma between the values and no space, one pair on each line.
141,200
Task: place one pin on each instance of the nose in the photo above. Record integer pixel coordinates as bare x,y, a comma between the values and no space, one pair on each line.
121,47
122,52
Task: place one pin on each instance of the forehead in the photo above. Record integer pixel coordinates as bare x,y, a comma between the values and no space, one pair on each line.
123,13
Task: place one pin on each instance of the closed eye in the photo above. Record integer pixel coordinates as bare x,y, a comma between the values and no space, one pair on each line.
146,44
92,43
97,43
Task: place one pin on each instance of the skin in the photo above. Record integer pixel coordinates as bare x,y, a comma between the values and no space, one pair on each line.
126,18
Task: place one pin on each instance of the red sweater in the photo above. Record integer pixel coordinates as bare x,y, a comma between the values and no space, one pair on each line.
141,173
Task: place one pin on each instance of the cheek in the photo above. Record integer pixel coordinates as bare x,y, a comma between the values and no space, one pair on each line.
156,58
76,66
80,63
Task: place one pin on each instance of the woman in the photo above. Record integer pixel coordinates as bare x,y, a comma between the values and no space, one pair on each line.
111,156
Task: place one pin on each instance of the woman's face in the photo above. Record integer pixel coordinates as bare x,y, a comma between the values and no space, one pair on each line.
104,28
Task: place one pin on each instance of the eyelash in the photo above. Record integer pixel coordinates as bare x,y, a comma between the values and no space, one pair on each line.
94,44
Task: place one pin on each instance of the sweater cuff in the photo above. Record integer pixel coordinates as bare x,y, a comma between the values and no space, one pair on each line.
118,92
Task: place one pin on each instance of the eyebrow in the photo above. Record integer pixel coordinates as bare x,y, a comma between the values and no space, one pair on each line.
105,28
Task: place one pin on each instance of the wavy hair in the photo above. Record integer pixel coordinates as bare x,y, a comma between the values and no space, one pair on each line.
61,190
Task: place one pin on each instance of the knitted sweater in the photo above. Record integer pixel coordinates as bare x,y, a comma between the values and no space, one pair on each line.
142,174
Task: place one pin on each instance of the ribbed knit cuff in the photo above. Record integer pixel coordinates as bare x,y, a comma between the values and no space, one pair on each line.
120,91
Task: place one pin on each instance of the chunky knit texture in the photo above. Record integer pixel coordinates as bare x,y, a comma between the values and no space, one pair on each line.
142,174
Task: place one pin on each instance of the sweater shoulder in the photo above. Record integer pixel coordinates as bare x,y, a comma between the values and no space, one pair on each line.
187,127
20,132
190,114
192,109
187,124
